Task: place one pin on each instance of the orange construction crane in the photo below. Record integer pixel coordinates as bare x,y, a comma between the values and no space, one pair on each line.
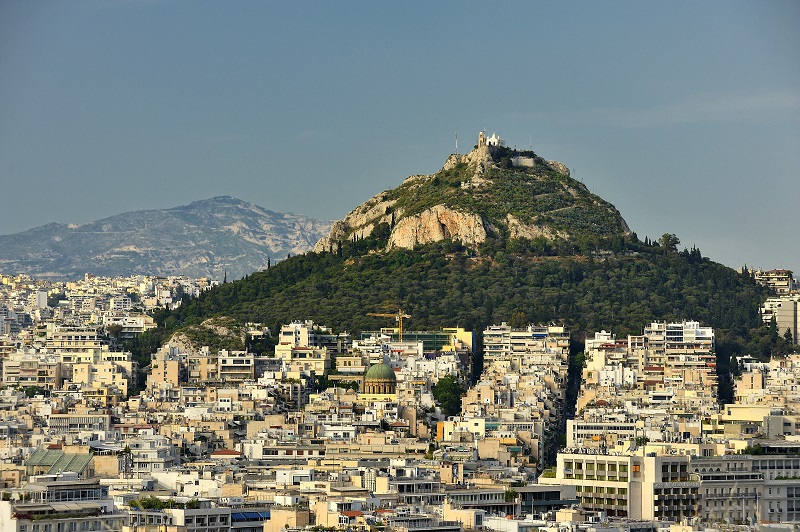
398,318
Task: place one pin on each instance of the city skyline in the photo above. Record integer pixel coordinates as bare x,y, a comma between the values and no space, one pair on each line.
686,117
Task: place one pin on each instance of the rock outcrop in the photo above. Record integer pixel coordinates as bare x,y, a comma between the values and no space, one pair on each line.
438,223
223,328
359,222
518,229
561,168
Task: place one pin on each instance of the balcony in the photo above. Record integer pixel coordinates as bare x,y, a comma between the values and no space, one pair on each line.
63,510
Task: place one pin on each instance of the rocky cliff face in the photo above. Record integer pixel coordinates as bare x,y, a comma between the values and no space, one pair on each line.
359,223
487,192
438,223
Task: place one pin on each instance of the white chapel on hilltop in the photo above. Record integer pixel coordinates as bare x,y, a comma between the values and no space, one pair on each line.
494,141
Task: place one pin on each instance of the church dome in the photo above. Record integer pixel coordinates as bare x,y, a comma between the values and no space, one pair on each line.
380,372
380,379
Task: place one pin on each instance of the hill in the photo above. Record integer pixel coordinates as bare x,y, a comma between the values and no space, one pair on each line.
585,270
492,192
446,285
203,239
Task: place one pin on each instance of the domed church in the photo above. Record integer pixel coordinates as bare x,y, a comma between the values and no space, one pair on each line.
380,379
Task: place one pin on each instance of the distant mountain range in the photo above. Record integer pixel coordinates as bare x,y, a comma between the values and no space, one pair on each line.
211,238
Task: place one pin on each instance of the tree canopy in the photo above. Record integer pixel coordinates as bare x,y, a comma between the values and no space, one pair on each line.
448,392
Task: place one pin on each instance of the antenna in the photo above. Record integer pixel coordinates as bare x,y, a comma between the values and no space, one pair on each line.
456,142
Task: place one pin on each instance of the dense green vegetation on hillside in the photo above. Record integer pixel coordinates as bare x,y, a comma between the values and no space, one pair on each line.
446,285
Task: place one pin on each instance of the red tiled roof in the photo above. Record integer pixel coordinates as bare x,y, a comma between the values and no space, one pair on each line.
226,452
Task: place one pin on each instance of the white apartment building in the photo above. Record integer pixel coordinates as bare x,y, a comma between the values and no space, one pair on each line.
600,430
670,364
150,454
781,281
202,517
502,342
67,338
677,337
731,491
78,422
308,334
132,325
59,503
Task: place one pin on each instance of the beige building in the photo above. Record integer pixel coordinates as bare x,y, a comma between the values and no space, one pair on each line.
235,367
470,518
632,486
101,375
282,518
502,342
202,367
781,281
168,369
304,360
172,369
30,368
784,311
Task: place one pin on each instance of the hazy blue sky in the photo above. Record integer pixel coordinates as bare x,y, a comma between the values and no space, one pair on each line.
685,115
